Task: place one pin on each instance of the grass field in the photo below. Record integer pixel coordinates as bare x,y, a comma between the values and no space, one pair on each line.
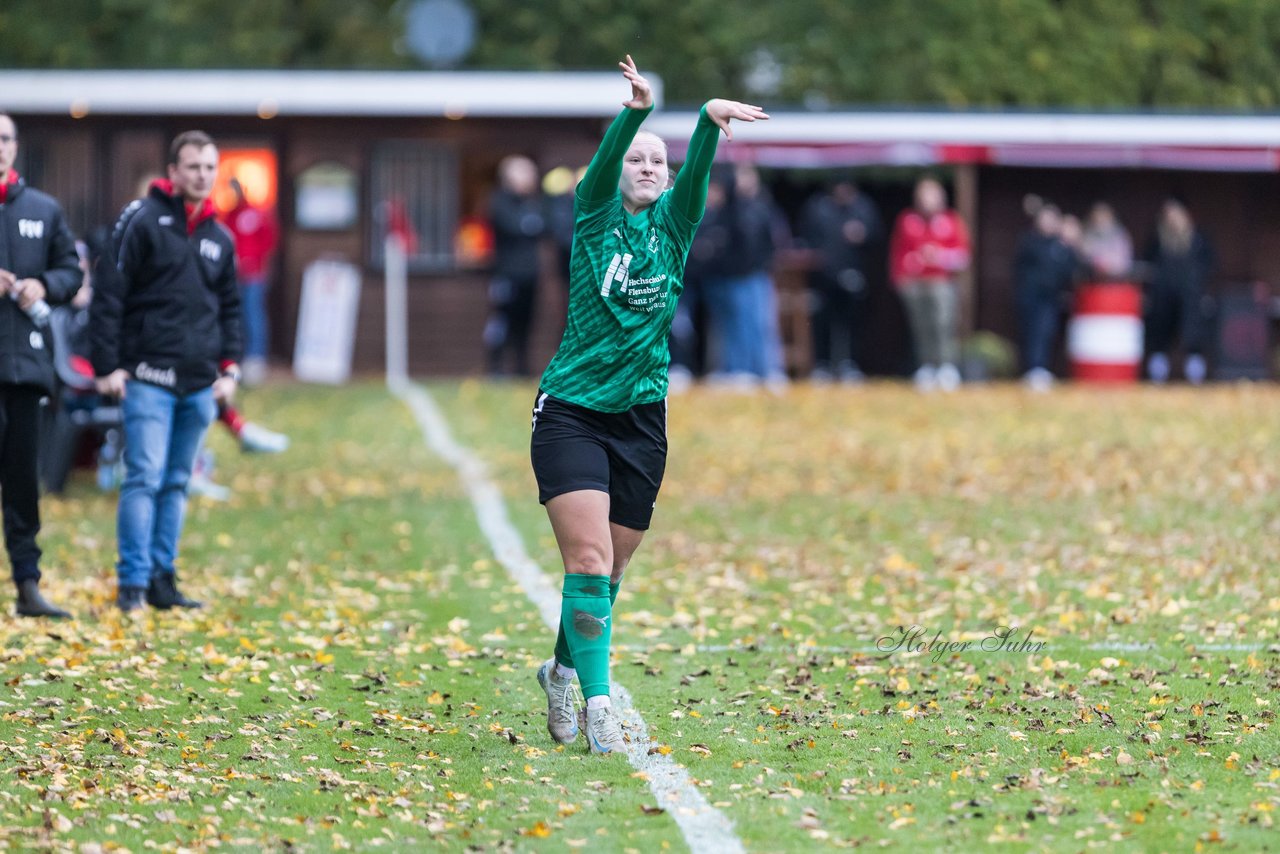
811,629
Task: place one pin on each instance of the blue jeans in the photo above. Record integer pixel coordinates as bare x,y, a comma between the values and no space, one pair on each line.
729,303
253,308
766,356
162,433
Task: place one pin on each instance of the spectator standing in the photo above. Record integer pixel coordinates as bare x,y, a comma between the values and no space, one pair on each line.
517,214
39,266
743,301
758,233
839,225
708,254
165,331
928,250
1106,245
256,235
1042,271
1072,233
557,187
1180,260
716,270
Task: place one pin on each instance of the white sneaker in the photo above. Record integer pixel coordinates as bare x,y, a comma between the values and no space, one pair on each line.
604,733
926,378
1158,368
1195,369
256,438
1038,380
562,699
851,374
948,377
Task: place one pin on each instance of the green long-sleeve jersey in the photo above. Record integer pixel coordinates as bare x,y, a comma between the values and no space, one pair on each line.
626,273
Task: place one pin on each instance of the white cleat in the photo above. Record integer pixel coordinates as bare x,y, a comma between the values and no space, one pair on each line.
562,698
604,733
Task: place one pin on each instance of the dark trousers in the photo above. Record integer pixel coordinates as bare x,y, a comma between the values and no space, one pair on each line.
20,477
1175,313
512,301
838,314
1038,318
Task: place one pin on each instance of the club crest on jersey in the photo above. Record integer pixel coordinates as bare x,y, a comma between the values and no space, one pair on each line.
653,241
210,250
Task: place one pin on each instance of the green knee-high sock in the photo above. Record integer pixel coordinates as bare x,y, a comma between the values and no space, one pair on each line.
586,617
565,658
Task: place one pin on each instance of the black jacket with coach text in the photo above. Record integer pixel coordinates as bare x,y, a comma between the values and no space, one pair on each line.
166,307
35,243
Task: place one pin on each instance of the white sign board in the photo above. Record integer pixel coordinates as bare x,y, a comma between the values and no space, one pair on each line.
327,322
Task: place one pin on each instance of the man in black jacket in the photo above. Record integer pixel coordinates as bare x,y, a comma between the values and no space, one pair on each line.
517,214
840,225
165,333
38,266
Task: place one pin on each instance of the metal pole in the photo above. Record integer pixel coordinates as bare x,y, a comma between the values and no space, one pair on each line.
396,298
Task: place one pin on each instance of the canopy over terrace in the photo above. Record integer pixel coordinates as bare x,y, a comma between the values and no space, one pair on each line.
1201,142
350,145
267,94
1225,167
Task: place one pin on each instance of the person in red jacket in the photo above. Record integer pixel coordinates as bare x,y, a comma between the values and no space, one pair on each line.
928,249
255,233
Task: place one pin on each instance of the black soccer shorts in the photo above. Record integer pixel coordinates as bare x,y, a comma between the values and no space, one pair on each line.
621,453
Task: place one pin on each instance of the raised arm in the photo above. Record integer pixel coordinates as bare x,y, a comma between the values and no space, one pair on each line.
689,195
600,182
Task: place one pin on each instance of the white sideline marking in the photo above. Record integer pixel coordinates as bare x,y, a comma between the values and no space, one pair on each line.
705,828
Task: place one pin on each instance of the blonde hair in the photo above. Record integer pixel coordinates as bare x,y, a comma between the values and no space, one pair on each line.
649,133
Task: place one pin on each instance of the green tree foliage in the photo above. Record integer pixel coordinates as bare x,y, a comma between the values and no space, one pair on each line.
958,53
200,34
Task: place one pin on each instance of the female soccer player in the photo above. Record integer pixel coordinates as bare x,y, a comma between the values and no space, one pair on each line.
599,443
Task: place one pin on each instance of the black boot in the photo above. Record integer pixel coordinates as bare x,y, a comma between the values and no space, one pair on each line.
130,598
32,604
163,593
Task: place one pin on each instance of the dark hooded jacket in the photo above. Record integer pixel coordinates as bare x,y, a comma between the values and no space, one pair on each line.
35,243
166,307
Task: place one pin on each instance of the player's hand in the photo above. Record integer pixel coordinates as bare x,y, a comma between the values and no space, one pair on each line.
720,111
224,389
641,91
28,292
7,281
113,384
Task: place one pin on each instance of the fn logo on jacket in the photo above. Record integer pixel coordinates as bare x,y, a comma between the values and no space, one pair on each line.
210,249
31,228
